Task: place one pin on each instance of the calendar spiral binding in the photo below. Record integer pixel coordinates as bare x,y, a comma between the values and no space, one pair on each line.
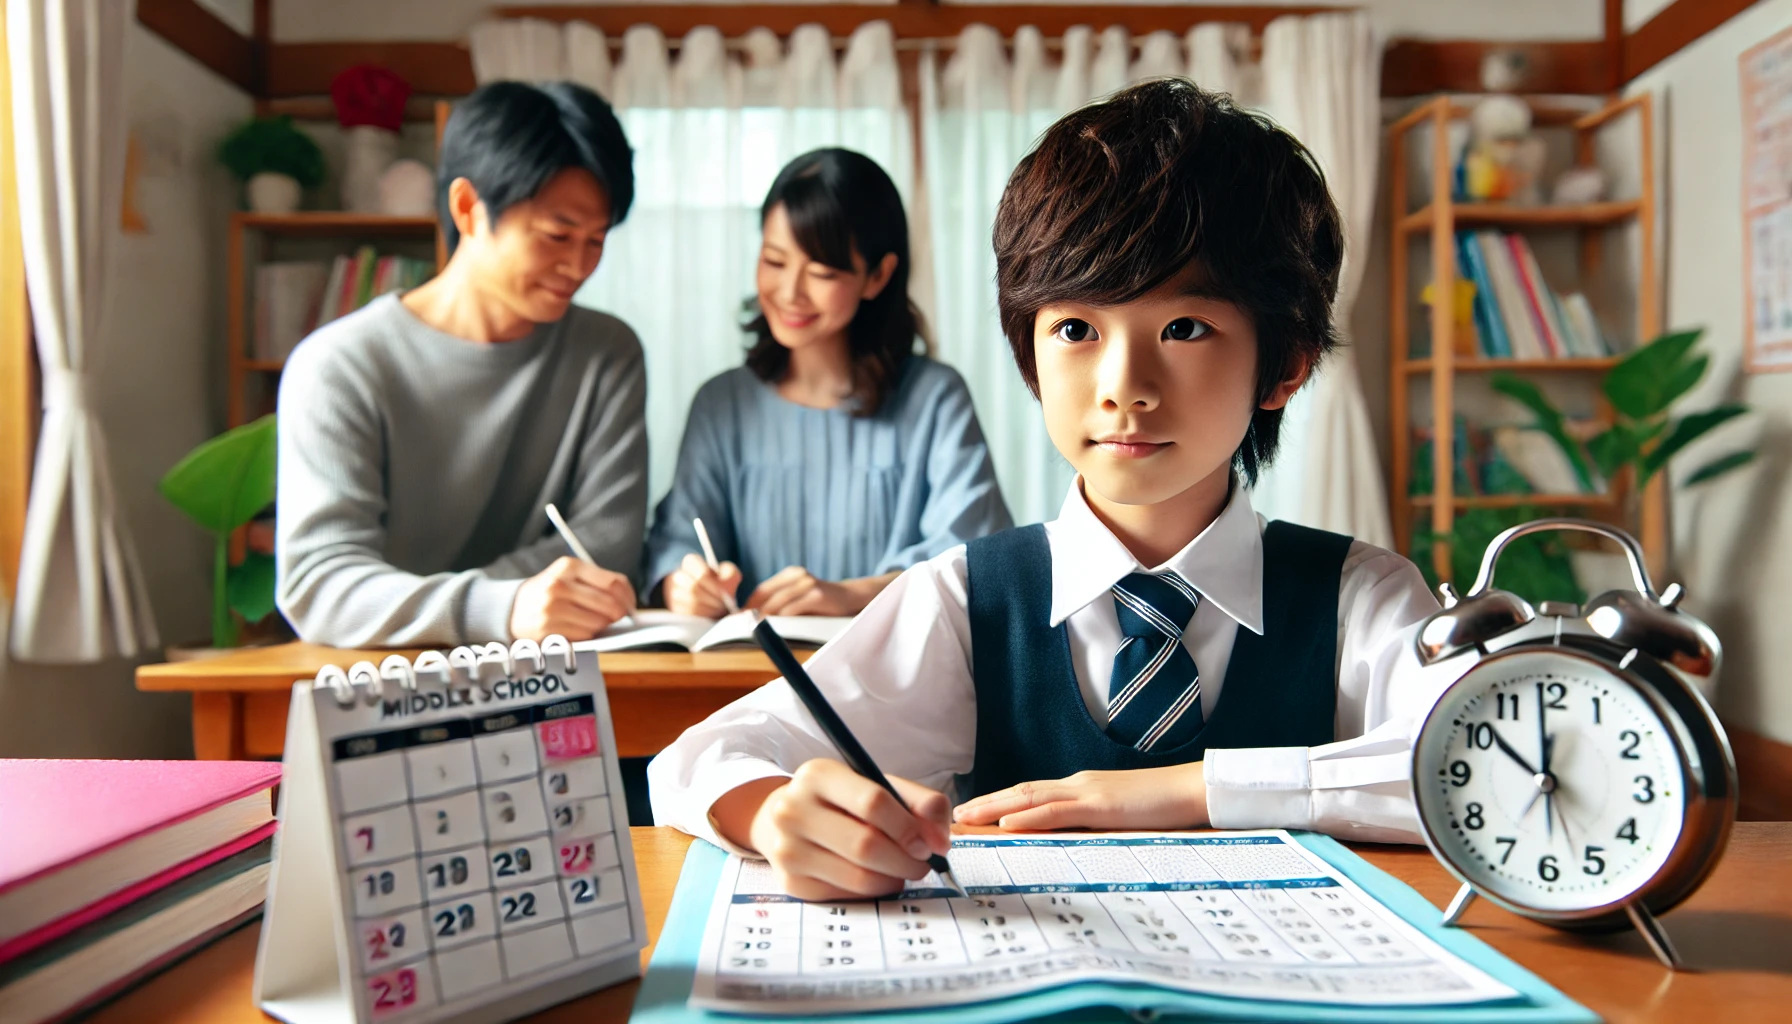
474,665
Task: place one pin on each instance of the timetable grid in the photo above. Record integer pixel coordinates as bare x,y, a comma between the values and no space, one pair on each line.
1250,915
478,851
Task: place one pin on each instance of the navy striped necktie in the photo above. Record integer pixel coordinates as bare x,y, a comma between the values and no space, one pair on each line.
1154,697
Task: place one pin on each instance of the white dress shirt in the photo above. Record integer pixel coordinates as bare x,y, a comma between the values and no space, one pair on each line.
900,676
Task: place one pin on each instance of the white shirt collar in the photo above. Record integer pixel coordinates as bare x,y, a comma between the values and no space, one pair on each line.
1224,563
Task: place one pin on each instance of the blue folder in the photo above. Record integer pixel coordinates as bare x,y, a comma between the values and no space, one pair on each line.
667,987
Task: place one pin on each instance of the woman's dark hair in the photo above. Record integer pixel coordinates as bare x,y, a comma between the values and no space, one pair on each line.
1165,178
840,202
509,139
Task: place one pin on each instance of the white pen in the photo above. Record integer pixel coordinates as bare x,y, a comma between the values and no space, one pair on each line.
709,555
578,549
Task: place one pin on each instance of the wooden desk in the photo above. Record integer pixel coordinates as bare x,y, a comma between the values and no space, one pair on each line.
1736,933
240,699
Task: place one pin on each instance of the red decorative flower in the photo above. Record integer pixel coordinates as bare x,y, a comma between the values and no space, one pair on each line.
370,94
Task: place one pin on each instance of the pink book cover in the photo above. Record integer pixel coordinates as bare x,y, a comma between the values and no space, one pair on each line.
55,813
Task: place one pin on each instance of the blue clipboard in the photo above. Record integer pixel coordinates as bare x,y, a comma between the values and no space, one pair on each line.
667,987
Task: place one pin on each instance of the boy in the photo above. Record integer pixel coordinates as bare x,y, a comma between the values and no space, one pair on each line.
421,436
1165,266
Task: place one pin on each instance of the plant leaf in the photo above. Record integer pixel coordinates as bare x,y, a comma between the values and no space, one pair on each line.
251,587
1686,430
224,482
1647,381
1718,467
1549,420
1613,448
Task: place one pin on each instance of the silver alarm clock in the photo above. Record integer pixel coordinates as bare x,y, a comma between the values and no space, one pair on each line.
1574,773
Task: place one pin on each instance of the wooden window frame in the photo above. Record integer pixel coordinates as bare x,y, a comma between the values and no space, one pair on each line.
19,411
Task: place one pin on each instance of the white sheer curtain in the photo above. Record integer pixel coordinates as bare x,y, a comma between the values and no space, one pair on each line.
984,109
711,127
1321,80
80,595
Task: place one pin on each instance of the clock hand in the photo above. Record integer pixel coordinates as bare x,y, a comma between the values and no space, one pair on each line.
1513,754
1546,784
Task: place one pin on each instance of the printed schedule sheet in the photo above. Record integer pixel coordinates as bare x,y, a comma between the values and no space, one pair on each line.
1246,914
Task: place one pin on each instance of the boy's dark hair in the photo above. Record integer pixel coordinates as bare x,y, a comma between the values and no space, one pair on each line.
509,139
839,202
1164,177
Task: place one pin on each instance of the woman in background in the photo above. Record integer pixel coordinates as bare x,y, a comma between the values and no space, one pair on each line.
838,455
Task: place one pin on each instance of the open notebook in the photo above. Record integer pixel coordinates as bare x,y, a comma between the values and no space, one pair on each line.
654,629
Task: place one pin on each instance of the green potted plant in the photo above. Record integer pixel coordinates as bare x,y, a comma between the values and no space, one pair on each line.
1643,436
274,160
222,485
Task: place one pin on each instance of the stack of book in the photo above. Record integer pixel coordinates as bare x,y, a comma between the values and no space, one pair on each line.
292,299
112,870
1517,315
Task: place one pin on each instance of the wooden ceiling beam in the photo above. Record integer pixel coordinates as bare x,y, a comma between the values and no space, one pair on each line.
1675,27
205,37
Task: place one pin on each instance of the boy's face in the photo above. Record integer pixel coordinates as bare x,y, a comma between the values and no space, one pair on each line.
1151,397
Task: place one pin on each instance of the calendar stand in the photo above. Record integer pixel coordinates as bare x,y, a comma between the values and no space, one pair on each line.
453,844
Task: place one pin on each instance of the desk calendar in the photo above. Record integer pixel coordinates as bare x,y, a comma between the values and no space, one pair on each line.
1247,914
453,842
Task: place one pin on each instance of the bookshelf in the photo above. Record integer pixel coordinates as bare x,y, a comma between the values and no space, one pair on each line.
251,383
1437,222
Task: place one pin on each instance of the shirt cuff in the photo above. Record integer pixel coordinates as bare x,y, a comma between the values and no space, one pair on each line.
488,608
1258,787
686,808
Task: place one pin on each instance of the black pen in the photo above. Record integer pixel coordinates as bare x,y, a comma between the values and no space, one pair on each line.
850,751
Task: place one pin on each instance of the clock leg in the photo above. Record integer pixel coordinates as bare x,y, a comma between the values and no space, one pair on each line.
1654,934
1459,904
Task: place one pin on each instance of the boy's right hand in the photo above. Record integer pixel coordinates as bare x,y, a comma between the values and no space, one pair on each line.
830,833
696,589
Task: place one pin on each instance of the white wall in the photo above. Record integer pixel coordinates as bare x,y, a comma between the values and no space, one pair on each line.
1733,538
313,20
159,389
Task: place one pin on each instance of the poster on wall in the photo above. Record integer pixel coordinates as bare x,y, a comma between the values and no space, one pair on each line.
1767,201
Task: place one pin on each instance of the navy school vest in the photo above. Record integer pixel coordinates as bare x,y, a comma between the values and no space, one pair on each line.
1280,688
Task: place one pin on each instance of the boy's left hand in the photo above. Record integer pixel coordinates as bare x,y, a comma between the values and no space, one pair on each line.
1144,798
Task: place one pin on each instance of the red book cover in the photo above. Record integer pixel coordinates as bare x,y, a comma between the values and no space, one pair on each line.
57,815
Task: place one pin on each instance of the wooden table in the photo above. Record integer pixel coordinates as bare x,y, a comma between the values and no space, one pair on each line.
1736,934
240,699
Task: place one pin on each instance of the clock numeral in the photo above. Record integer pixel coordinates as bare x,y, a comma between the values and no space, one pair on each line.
1480,736
1647,795
1511,844
1629,753
1473,818
1595,710
1627,830
1547,870
1459,774
1557,693
1595,864
1502,697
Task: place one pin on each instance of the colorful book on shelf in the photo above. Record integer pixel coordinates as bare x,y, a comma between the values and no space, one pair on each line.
1509,298
85,838
1579,313
1537,301
1488,323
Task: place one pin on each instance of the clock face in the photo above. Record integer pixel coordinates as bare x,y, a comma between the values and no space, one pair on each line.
1550,782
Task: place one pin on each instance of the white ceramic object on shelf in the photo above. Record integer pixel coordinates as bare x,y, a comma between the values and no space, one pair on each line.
370,151
408,189
272,192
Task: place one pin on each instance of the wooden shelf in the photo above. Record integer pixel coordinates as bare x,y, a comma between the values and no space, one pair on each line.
337,223
1508,215
1514,500
1479,365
